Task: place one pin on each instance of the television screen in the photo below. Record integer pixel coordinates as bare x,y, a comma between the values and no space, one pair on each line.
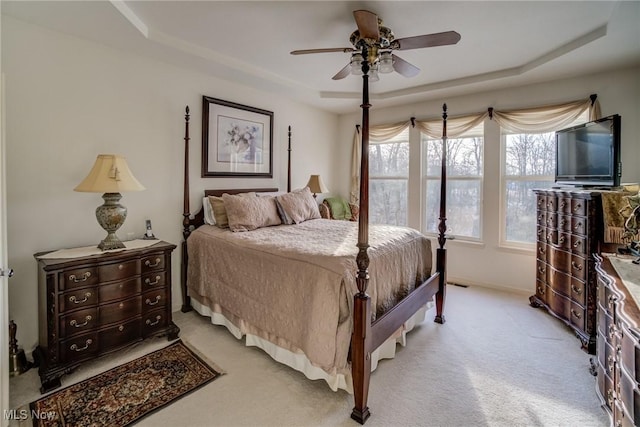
589,154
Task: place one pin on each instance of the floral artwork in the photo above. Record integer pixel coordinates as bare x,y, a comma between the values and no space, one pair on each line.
241,140
237,140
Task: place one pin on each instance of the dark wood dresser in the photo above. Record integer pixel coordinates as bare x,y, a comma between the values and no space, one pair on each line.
92,305
569,232
618,350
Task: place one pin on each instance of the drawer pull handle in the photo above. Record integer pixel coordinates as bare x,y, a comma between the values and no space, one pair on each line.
562,205
75,323
541,250
576,266
576,289
612,331
610,397
577,207
120,267
578,226
155,264
87,343
74,300
610,301
149,282
541,270
549,237
121,328
562,222
577,243
540,290
150,323
561,239
610,361
576,314
149,302
85,276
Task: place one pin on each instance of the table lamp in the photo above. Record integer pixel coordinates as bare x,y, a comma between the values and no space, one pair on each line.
110,175
316,185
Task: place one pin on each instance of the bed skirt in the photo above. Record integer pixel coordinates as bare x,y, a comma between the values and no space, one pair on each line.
297,359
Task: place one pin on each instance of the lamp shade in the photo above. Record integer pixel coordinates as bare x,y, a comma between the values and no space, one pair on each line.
316,185
110,174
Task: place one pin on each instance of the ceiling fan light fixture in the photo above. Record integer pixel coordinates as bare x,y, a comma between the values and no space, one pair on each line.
386,63
373,73
356,64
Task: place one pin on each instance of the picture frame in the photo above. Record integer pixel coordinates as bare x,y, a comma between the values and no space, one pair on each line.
237,140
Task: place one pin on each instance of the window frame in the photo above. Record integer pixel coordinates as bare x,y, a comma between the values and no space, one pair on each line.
425,178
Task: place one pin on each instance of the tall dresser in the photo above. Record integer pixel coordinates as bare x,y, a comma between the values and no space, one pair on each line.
618,362
92,305
569,232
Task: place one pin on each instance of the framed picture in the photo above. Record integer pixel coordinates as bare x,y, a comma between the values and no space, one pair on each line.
237,140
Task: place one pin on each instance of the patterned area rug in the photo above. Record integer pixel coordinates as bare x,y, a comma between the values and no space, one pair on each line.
128,392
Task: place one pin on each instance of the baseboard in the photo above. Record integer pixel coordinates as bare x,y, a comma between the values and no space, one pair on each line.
466,282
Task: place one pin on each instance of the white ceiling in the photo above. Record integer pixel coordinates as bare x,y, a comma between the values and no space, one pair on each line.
503,43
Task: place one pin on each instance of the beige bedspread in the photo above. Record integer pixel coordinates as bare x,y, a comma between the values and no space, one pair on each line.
294,284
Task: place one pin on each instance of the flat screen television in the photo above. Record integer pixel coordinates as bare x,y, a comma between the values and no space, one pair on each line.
589,154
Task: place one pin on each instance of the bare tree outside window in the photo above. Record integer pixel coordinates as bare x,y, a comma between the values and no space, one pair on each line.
465,165
388,178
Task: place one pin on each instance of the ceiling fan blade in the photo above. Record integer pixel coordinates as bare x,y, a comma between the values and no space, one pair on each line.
367,24
325,50
343,73
428,40
403,67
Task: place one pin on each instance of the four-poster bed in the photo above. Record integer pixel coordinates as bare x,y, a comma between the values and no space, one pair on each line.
369,330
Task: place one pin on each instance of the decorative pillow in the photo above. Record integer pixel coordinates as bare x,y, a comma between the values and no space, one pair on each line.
355,211
219,210
324,211
249,213
298,206
208,212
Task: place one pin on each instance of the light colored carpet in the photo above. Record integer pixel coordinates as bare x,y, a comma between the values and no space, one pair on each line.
495,362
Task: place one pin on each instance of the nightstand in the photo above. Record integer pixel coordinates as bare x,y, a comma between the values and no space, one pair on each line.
93,305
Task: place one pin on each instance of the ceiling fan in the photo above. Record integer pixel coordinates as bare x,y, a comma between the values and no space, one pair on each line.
373,43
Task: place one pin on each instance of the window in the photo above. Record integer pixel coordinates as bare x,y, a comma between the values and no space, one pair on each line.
388,179
529,162
465,165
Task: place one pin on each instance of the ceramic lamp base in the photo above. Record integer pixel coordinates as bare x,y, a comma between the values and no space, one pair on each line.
111,216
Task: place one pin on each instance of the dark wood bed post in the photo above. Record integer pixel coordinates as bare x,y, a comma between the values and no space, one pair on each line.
289,162
360,340
441,253
186,224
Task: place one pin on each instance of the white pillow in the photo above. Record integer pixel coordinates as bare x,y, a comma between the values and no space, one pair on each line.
208,212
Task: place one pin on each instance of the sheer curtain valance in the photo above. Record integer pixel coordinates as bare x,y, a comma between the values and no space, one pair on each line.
546,119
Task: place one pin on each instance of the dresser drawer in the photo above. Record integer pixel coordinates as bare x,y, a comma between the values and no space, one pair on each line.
153,281
560,305
154,299
559,281
81,298
152,262
119,311
579,207
120,334
541,290
605,322
564,223
578,316
605,385
630,355
578,244
77,322
579,225
606,354
79,348
119,270
578,291
79,277
629,394
119,290
152,321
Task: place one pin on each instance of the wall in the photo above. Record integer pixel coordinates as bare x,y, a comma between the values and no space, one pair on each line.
488,264
69,99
